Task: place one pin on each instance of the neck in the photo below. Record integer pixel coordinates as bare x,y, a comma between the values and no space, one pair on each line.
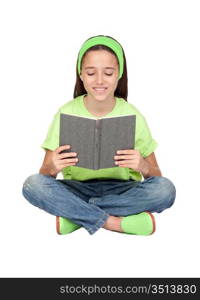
99,106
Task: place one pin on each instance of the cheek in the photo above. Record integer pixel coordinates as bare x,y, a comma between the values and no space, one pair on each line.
88,82
114,83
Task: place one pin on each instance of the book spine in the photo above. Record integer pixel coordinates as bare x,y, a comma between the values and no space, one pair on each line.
97,143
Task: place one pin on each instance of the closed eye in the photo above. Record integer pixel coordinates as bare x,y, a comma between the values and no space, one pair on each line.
105,74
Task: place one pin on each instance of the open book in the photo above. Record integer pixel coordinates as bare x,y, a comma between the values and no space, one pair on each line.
96,141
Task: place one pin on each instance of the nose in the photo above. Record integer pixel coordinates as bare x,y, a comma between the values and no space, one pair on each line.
99,78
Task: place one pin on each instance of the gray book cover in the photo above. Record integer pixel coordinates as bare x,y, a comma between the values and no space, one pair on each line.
96,141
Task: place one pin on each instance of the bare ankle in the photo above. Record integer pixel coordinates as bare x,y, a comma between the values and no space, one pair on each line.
113,223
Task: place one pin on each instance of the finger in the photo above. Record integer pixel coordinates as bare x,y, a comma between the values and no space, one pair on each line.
69,160
67,165
124,157
68,154
127,151
61,148
125,162
126,166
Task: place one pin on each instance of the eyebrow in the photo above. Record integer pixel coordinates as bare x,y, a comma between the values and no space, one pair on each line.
94,68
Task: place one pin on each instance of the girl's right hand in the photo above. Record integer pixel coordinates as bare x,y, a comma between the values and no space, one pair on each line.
58,160
54,161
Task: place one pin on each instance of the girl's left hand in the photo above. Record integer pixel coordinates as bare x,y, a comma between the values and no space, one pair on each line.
131,159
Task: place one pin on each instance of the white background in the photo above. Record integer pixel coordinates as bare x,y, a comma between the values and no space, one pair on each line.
40,41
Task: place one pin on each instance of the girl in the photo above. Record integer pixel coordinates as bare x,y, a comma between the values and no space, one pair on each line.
122,198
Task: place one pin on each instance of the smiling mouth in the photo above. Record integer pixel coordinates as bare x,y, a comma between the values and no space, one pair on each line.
100,90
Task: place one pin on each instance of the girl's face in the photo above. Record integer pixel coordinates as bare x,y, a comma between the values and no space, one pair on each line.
99,74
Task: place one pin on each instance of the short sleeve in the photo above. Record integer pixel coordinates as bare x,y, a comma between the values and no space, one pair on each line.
144,142
52,139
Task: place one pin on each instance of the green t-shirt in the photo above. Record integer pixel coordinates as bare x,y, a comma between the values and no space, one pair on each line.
144,142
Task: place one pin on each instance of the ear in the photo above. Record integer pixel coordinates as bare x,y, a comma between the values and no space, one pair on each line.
81,76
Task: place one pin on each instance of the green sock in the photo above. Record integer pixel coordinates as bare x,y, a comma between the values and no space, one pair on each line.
139,224
65,226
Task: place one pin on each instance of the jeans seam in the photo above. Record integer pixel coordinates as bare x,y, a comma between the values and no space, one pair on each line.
98,224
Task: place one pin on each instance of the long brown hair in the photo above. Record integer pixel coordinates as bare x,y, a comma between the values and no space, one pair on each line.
122,87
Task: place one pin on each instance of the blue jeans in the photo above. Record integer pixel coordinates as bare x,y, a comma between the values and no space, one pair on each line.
90,203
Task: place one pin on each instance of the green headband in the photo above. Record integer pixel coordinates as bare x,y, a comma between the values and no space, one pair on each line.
103,40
